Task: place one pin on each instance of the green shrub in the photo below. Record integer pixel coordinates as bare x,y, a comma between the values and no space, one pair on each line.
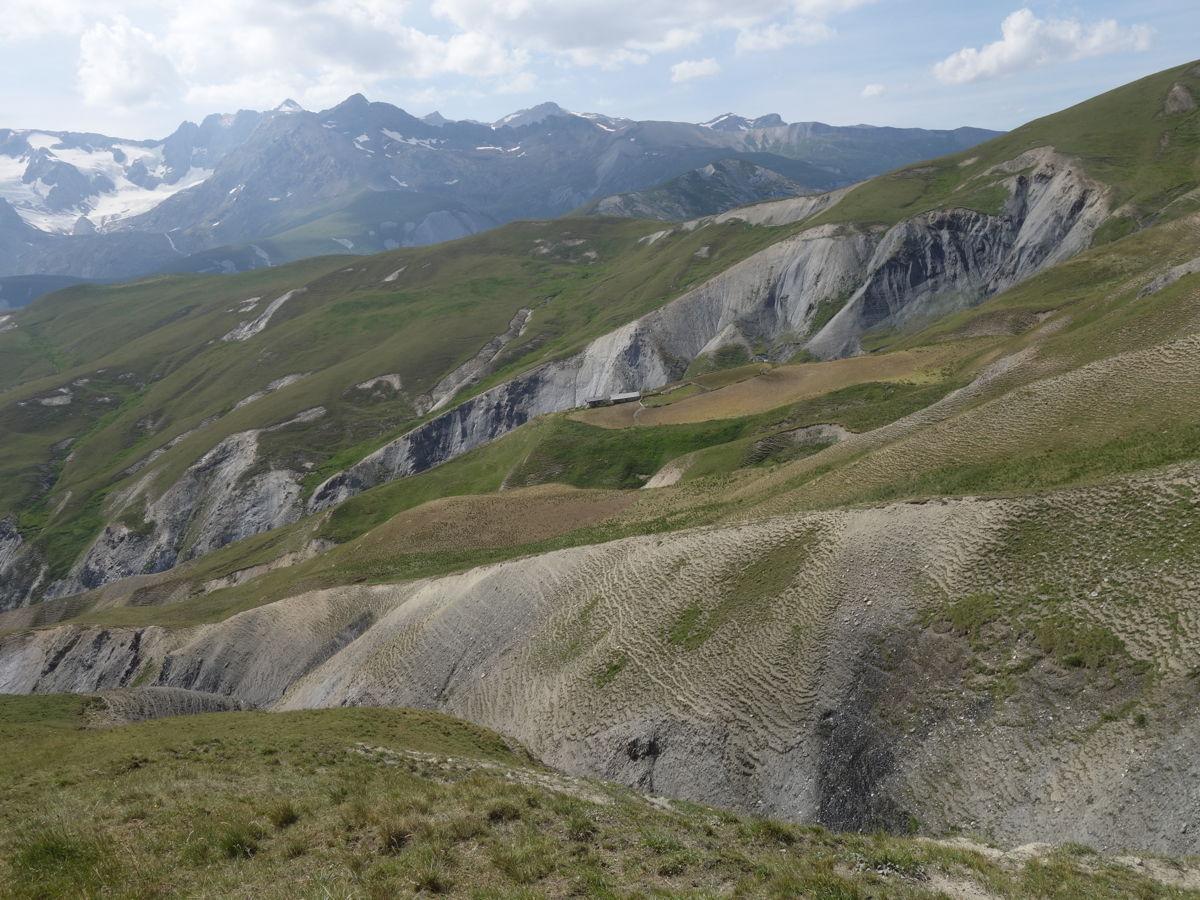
429,868
1078,645
581,829
239,840
395,834
56,857
283,814
970,615
504,811
660,842
525,860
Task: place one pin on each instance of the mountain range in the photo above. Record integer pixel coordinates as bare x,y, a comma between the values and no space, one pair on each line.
242,191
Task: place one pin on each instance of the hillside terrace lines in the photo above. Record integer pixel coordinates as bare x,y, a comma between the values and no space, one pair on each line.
518,516
1080,538
1094,399
482,644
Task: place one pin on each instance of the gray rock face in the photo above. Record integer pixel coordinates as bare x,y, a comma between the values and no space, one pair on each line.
247,329
77,660
218,500
128,705
953,258
1168,278
476,367
1179,101
21,572
779,212
930,264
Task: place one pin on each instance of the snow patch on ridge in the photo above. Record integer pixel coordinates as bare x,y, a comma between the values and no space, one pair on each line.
99,165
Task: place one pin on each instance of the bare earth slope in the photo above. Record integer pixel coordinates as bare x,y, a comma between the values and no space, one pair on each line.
813,666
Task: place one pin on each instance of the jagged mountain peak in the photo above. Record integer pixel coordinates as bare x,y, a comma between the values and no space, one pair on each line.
727,122
402,179
356,115
532,115
732,122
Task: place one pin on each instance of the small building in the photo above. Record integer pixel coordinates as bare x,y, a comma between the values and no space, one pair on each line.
627,397
592,402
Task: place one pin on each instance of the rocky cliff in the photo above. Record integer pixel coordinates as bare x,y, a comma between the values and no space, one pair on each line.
950,258
924,266
222,498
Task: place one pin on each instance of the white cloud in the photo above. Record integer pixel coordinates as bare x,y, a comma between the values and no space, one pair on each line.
123,66
776,36
521,83
23,19
607,33
1028,42
230,53
688,69
873,90
252,52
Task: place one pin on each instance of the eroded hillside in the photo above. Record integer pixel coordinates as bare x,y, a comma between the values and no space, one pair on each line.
918,546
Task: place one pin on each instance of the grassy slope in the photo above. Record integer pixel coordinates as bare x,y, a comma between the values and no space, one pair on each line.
1095,297
365,802
351,325
1118,136
1092,297
553,449
157,342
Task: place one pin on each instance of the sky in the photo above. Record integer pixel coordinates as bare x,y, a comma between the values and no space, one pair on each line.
136,68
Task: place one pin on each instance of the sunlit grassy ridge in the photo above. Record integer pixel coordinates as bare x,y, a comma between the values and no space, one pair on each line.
1123,138
377,803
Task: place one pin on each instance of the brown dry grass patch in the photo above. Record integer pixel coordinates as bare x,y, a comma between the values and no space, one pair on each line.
777,387
510,518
